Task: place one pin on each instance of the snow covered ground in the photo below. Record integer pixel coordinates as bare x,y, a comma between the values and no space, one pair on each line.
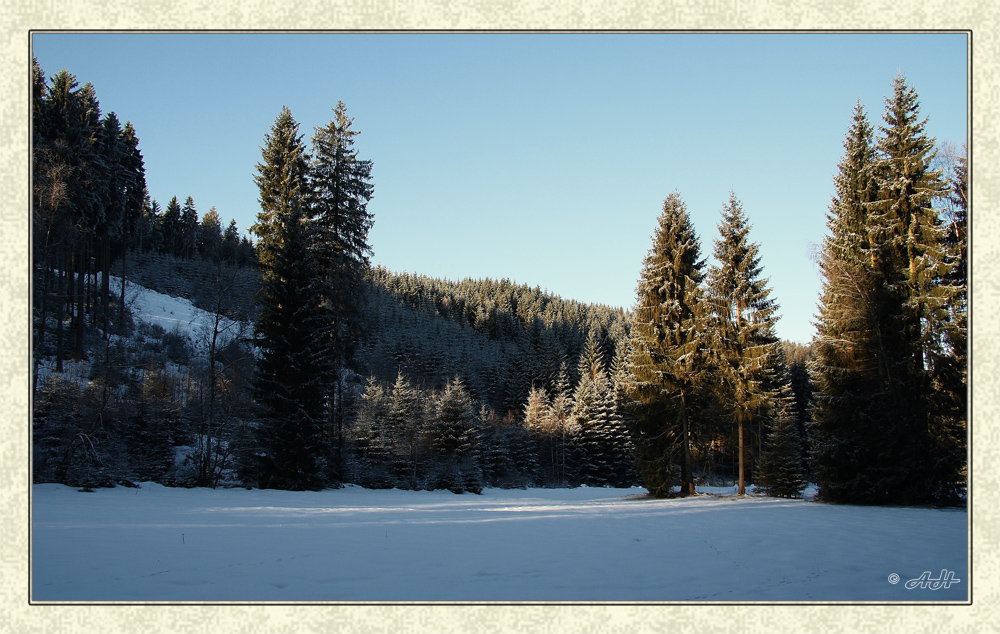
175,314
586,544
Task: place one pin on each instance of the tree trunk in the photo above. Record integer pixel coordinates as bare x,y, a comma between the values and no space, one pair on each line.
105,268
742,489
81,305
687,479
40,340
121,308
742,410
60,311
339,414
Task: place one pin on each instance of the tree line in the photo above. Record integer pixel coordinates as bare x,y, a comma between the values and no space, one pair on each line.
888,366
87,192
91,208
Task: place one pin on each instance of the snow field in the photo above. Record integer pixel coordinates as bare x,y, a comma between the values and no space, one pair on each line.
586,544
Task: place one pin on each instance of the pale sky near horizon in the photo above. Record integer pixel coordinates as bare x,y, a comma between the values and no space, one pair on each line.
543,158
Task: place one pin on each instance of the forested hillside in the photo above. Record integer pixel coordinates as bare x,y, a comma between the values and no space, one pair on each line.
501,338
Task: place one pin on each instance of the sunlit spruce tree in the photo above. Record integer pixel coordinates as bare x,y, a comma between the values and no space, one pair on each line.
291,331
912,245
594,444
907,235
539,423
667,364
849,368
741,323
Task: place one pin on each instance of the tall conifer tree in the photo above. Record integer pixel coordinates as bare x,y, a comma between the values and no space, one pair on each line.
113,180
291,331
742,321
666,364
595,441
849,366
454,441
170,227
189,229
210,236
340,188
950,368
134,182
407,420
912,247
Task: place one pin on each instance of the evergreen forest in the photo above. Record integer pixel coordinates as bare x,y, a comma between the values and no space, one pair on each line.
321,369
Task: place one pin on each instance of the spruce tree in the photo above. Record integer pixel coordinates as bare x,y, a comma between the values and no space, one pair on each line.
290,332
282,181
407,422
134,183
950,366
744,346
781,472
210,236
340,188
853,334
71,194
230,243
593,444
454,443
560,416
289,381
373,440
189,229
666,364
538,422
171,228
910,247
112,179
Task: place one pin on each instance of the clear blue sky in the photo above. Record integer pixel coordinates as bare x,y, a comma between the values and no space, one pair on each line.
542,158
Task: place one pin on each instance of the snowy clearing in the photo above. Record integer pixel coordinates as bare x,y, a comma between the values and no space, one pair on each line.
587,544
